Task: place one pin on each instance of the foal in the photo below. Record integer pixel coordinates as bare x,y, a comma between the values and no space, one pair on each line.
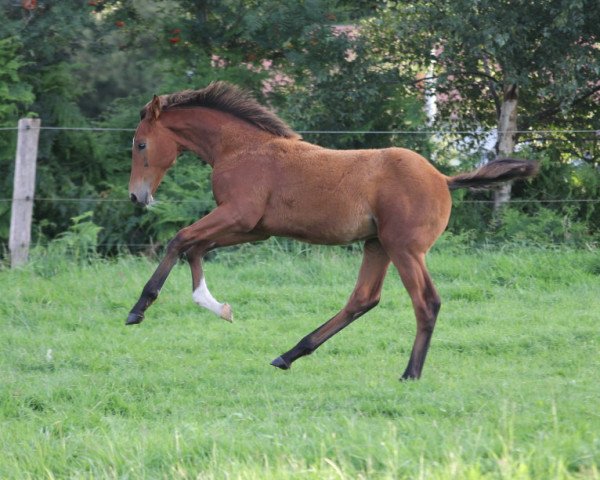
267,181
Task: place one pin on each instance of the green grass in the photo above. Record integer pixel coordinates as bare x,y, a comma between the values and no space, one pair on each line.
511,387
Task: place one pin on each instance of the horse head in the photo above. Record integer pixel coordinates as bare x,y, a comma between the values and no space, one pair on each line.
154,151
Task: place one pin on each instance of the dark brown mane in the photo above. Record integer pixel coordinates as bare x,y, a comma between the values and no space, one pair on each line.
228,98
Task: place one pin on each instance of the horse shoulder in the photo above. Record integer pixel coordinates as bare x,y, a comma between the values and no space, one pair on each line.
244,181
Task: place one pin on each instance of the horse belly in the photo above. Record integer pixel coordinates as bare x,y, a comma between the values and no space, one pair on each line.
329,224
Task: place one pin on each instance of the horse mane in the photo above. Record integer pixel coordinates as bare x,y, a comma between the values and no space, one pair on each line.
228,98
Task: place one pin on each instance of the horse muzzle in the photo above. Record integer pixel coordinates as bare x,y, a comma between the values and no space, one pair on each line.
144,199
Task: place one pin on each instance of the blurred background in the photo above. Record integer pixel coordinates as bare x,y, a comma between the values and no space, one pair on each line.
439,77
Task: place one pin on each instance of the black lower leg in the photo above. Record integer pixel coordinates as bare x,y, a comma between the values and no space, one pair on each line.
422,341
304,347
364,297
415,365
149,294
151,290
315,339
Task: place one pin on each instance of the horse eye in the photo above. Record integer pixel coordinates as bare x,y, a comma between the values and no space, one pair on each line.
141,146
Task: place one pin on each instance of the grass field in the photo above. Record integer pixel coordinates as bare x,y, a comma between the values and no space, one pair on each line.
511,387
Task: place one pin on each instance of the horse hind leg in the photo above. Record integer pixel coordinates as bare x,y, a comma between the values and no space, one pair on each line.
426,304
365,296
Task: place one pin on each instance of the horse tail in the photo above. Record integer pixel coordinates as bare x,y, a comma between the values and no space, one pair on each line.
494,172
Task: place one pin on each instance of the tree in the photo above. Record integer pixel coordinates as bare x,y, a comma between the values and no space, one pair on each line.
515,65
15,95
96,63
47,37
339,85
295,55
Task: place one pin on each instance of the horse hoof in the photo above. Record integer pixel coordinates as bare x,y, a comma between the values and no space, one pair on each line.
226,313
279,362
134,318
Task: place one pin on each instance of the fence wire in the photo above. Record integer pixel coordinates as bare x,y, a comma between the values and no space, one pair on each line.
204,206
347,132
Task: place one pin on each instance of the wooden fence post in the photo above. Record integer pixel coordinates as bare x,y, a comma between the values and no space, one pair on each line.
23,190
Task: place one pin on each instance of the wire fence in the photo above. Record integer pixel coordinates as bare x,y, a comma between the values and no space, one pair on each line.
202,205
595,132
206,205
353,132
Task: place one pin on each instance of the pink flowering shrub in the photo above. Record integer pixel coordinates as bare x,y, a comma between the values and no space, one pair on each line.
275,78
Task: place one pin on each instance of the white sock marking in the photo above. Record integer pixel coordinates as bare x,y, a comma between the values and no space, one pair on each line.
203,298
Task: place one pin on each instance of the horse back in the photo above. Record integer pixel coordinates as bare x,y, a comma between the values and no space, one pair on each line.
340,196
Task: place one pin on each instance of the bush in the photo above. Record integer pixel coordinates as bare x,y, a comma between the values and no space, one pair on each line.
76,245
543,228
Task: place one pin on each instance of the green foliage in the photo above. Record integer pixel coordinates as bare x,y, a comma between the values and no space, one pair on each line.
559,205
78,63
13,92
339,86
75,246
321,64
472,50
527,224
543,228
15,95
187,197
50,35
570,185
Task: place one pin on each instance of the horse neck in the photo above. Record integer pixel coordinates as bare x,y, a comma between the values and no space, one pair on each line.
210,133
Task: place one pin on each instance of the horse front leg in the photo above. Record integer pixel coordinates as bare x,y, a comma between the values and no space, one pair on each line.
221,222
201,294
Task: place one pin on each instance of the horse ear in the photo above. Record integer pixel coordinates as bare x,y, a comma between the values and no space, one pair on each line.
155,107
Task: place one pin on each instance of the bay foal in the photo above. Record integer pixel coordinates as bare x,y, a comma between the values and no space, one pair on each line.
267,181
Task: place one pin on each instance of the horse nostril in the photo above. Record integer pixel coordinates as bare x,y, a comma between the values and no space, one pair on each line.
133,197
